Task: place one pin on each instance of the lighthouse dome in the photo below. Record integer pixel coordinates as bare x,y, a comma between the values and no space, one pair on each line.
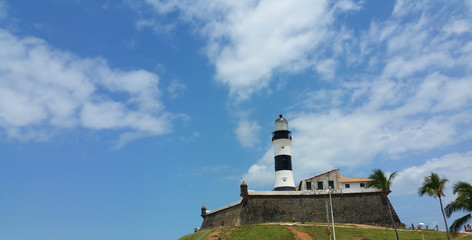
281,124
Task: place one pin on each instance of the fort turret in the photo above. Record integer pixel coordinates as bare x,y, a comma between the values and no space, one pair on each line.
204,211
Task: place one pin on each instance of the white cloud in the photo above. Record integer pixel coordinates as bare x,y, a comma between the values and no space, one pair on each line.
458,27
176,89
154,25
162,7
455,167
422,44
326,68
413,99
45,89
469,5
250,41
247,133
261,173
392,122
346,5
410,92
395,119
264,37
399,67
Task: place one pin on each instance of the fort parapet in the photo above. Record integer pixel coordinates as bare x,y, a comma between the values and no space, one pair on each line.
302,206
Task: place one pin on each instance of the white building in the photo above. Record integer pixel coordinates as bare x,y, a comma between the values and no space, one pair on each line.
332,179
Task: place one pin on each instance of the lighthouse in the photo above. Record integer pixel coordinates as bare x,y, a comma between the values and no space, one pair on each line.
281,140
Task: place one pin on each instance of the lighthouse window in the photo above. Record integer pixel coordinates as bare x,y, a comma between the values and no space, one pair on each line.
320,185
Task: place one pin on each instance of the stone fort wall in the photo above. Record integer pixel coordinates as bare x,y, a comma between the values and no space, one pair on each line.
359,208
228,216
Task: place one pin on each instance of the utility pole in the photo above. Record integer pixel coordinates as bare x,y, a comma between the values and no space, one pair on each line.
328,232
332,216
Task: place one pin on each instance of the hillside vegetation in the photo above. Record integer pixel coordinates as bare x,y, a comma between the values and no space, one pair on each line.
315,231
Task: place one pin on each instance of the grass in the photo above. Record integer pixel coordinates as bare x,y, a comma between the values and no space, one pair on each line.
262,232
269,232
202,235
319,232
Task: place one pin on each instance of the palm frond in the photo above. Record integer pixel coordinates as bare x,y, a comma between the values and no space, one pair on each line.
391,177
380,181
433,185
462,203
458,223
462,187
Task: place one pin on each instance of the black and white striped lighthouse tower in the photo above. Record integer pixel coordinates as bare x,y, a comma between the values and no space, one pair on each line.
281,140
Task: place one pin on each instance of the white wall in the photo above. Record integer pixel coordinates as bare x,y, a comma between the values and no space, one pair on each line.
356,187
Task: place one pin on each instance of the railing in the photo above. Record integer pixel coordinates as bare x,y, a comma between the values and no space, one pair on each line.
281,134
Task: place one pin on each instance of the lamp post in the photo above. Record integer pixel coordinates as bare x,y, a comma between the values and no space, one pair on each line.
328,230
332,216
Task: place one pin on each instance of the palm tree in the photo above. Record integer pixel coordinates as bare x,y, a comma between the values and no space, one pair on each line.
434,186
463,202
380,181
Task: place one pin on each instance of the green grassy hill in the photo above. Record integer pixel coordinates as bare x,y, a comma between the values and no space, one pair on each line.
315,231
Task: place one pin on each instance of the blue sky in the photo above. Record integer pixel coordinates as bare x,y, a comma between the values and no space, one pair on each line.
120,119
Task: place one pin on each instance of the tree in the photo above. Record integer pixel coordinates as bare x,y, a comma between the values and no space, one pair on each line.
463,202
380,181
434,186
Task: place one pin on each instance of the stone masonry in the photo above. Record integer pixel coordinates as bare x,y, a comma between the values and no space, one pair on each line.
264,207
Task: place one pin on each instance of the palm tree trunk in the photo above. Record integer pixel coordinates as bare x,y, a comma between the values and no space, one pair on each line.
391,216
444,216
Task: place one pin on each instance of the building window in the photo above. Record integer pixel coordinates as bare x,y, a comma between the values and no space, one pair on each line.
347,185
331,184
362,184
320,185
308,185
